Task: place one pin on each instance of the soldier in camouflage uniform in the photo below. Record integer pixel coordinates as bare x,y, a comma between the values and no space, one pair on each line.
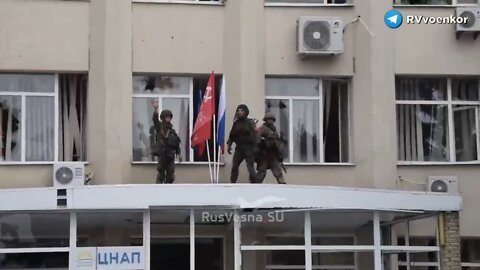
244,136
270,150
167,146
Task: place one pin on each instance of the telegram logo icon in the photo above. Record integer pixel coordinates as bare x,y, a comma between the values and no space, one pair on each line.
393,19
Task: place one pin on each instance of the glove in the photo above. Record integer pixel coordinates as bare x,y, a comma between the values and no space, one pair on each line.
229,150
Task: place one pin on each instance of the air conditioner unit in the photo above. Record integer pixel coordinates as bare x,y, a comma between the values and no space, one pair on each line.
444,184
68,174
319,35
472,15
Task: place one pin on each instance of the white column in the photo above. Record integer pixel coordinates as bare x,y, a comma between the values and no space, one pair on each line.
237,241
407,243
308,241
73,239
377,255
146,237
192,239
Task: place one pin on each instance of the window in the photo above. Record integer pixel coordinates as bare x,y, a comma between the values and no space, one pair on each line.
179,1
418,260
325,2
181,95
436,2
42,117
295,259
306,111
423,2
470,253
437,119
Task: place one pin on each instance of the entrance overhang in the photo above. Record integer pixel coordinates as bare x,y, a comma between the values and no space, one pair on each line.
235,196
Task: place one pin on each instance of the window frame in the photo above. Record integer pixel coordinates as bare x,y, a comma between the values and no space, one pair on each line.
437,263
455,3
450,120
160,97
23,95
185,2
314,267
321,148
303,4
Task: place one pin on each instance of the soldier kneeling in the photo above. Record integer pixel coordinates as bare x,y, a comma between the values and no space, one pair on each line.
270,151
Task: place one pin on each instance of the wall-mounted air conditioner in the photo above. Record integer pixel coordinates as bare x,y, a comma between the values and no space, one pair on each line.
319,35
444,184
68,174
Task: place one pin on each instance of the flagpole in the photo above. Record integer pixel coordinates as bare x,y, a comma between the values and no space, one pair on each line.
214,147
218,164
209,161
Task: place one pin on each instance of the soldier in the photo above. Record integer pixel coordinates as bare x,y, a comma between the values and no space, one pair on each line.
166,147
270,150
244,136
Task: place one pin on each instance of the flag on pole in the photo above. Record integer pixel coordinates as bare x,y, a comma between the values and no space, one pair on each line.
221,118
202,130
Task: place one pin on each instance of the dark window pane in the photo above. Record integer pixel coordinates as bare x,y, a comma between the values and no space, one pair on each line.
109,229
11,128
426,2
34,261
420,89
279,228
465,89
34,230
470,250
335,121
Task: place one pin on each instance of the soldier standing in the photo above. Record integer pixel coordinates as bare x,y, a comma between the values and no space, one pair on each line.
270,150
245,138
167,146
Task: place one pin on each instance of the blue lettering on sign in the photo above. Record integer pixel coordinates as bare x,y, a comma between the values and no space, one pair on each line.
125,258
137,254
104,259
114,258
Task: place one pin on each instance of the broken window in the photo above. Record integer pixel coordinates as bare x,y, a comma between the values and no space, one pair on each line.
30,122
437,119
181,95
306,111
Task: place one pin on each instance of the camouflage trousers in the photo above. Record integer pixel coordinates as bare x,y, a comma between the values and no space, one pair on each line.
165,169
243,152
272,163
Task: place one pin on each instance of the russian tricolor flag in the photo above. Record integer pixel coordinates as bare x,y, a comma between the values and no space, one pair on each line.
221,118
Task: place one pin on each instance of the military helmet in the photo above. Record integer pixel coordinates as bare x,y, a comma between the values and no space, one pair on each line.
244,108
166,113
269,115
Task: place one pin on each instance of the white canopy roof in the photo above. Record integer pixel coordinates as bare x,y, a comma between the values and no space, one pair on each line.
227,195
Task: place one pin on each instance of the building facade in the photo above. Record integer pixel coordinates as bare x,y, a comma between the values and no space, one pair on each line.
77,80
